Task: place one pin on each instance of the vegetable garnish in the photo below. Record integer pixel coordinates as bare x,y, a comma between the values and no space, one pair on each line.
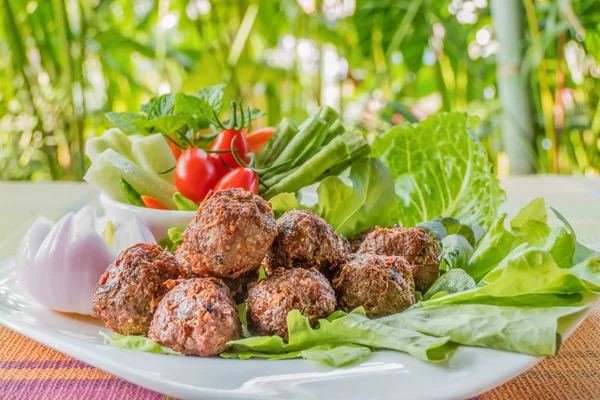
173,240
258,138
342,330
136,343
195,174
60,264
151,202
171,112
440,169
183,203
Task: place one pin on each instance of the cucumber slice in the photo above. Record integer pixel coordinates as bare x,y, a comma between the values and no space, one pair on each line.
111,139
154,154
106,178
108,169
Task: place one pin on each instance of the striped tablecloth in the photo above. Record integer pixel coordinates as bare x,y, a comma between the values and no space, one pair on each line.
29,370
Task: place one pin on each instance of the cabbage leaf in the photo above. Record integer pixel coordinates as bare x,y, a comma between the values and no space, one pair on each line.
440,169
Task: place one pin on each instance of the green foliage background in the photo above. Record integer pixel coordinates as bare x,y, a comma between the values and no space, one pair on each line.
64,63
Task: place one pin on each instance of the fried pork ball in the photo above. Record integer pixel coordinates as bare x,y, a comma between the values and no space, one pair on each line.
197,317
419,248
238,286
383,285
230,234
132,286
357,240
270,300
305,240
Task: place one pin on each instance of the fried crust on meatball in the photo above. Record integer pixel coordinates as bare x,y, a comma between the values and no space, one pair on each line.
197,317
132,286
305,240
357,240
419,248
230,234
238,286
270,300
383,285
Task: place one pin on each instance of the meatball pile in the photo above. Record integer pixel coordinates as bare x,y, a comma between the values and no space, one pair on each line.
229,236
305,240
420,249
383,285
270,300
197,317
187,301
132,287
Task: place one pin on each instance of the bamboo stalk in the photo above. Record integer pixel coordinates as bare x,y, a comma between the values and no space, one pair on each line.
559,109
75,131
517,125
542,78
21,61
402,29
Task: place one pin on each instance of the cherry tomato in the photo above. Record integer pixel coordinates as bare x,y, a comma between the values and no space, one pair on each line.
195,174
223,142
257,139
174,149
151,202
220,168
240,177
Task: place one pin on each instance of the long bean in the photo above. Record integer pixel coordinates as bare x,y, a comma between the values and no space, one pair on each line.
336,129
359,148
283,135
333,153
273,180
328,114
301,141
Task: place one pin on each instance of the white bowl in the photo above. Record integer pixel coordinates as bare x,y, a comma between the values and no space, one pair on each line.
158,221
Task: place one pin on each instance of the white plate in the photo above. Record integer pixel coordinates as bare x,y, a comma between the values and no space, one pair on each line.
386,375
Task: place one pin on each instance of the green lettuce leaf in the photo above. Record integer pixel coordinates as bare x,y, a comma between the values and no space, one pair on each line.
330,354
350,204
528,227
534,211
353,328
453,281
456,252
136,343
582,253
528,277
495,245
524,330
440,169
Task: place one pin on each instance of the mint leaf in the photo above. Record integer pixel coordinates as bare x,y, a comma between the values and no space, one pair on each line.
127,121
213,95
160,106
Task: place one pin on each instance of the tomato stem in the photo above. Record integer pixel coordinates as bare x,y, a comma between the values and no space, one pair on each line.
168,170
250,165
185,138
176,143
